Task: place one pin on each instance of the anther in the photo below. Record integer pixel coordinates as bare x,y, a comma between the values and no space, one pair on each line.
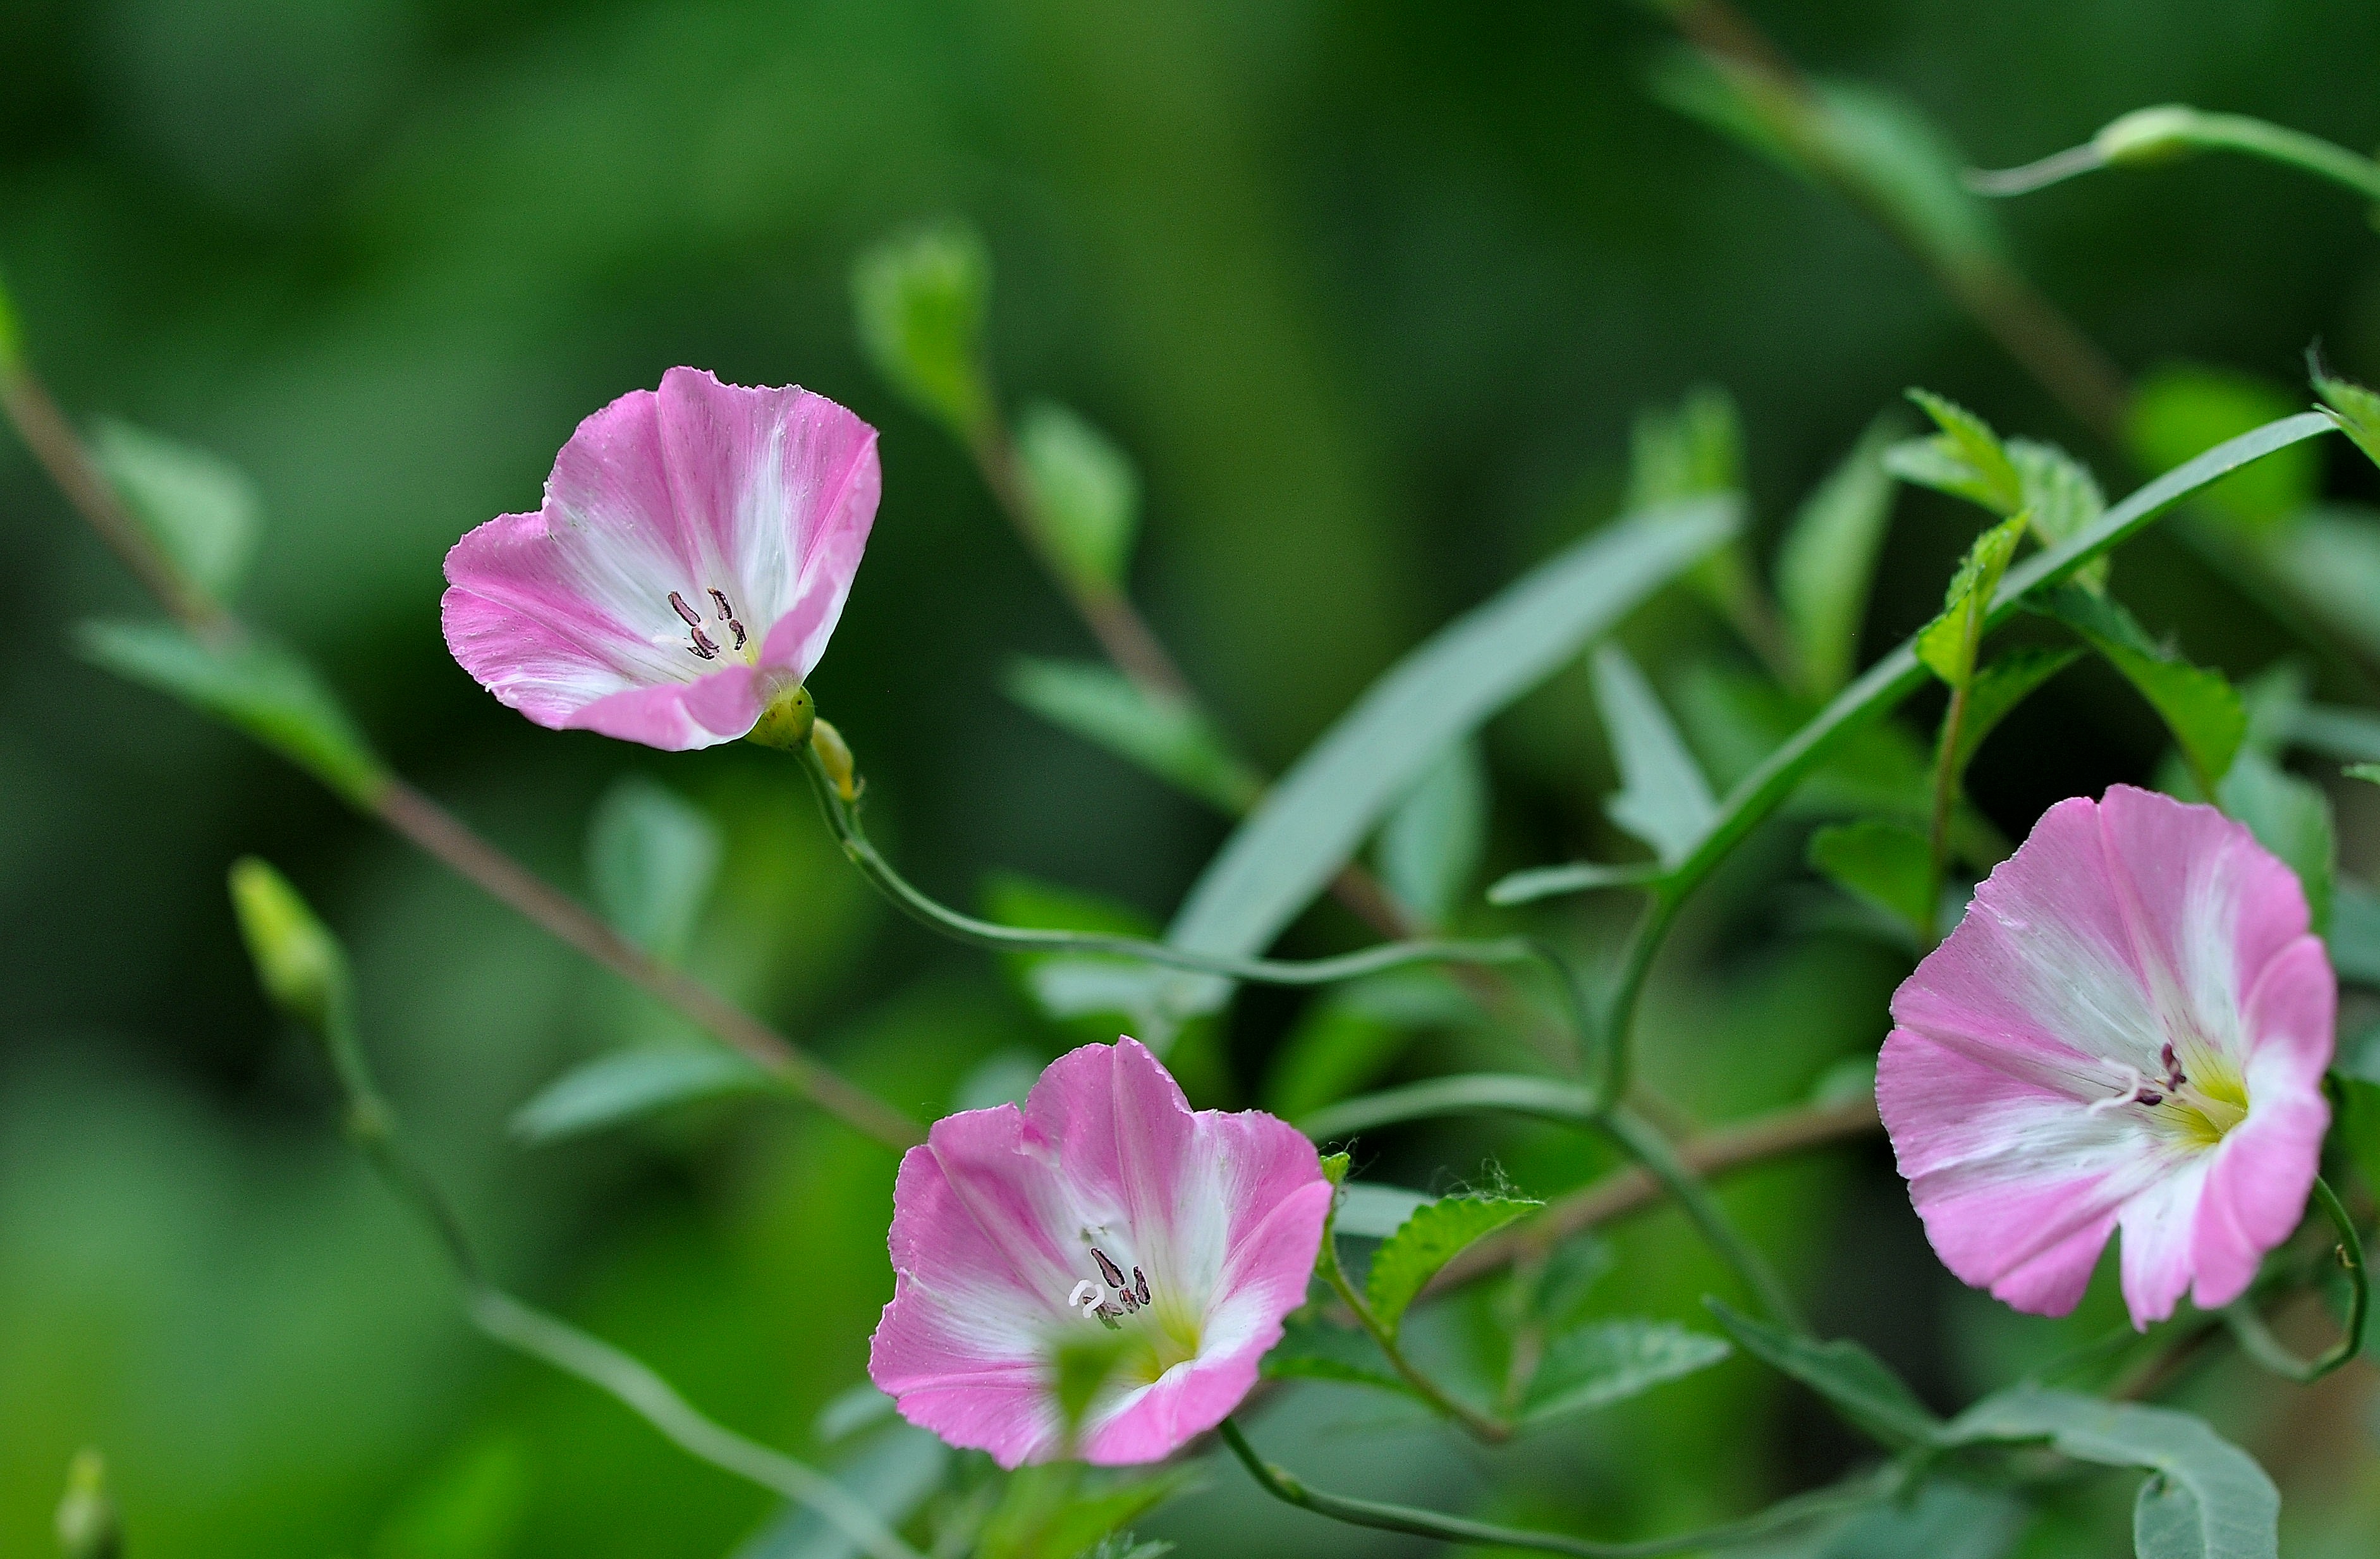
1108,1270
1139,1285
703,646
728,615
687,614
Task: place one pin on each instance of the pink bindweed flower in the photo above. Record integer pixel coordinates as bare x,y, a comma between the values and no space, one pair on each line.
1104,1203
2127,1029
690,560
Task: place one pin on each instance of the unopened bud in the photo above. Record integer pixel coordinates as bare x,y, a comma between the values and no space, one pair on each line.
297,960
2149,135
87,1524
834,756
785,723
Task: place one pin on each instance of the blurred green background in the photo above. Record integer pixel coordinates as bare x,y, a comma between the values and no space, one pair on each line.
1371,292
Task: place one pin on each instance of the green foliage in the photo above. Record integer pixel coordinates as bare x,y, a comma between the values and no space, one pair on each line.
250,685
1310,823
1086,494
1965,458
2354,932
1889,864
2291,818
2182,409
1432,1237
298,962
920,299
1315,1349
202,513
1827,562
1663,798
893,1473
1430,848
1045,1514
2206,1499
1369,1210
87,1523
1346,1038
1854,1382
1996,693
651,858
2062,499
2355,408
2198,705
471,1506
1610,1361
631,1084
1169,739
2330,557
1948,645
1695,451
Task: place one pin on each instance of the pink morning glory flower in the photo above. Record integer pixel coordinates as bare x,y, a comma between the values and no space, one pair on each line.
2129,1029
1105,1202
690,560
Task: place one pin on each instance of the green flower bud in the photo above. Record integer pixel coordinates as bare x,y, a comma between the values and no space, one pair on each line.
2147,136
834,753
785,723
297,960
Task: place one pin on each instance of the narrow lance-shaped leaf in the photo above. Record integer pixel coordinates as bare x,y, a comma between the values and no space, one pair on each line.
2179,410
201,510
1827,562
1312,820
651,856
2355,408
1431,1237
1663,798
2290,817
630,1084
1086,494
1169,739
1948,645
1889,864
1858,1384
1612,1360
252,684
1430,848
2207,1500
2199,706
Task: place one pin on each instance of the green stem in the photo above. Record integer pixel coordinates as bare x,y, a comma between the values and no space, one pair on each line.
1644,1142
1466,1093
1853,1493
842,818
2151,135
1616,1061
2256,1339
1946,797
1494,1432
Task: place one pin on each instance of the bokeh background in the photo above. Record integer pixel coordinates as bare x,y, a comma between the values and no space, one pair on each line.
1372,293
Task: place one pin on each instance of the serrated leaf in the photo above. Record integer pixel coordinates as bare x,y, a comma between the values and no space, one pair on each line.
1434,1235
1827,563
919,299
201,510
1310,823
1086,493
1889,864
2290,817
1949,643
2061,497
1965,460
1611,1362
651,858
2199,706
253,685
1997,691
2182,411
1858,1384
1663,798
629,1084
2207,1500
1430,848
2355,408
1314,1349
1169,739
893,1474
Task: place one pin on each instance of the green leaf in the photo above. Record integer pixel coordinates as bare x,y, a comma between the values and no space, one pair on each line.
2355,408
1663,798
1086,493
1858,1384
254,684
2182,411
1123,1545
1949,643
2349,735
629,1084
1694,452
1310,823
1889,864
1434,1235
2330,557
1965,460
199,508
1997,690
920,299
1169,739
2358,1131
1941,1521
470,1507
1430,848
1370,1211
1827,562
2198,705
1314,1349
651,858
1578,876
2061,497
1046,1514
1344,1039
2354,934
2290,817
2369,773
1090,993
1612,1360
893,1474
2208,1499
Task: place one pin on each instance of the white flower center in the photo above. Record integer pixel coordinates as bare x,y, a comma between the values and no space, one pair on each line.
1161,1332
703,638
2200,1109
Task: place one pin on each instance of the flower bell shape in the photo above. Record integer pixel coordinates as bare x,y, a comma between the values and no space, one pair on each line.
1105,1207
690,560
2129,1029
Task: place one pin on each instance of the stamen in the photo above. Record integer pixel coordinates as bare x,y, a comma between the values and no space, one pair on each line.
728,615
685,612
703,646
1108,1270
1140,1285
